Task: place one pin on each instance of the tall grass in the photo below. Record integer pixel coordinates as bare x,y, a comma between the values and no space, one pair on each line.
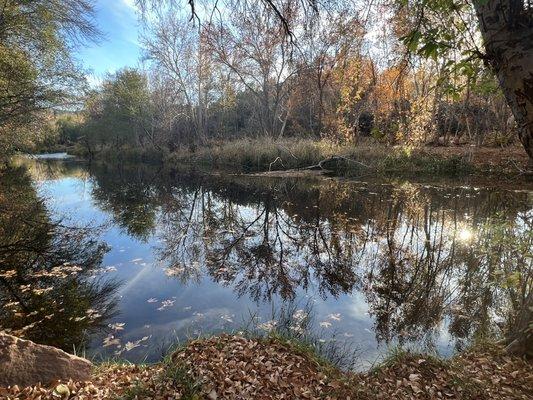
263,154
259,154
266,154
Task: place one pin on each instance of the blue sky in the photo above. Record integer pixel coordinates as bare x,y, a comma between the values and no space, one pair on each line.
119,48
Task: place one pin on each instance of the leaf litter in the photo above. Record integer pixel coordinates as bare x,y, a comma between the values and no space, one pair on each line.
236,367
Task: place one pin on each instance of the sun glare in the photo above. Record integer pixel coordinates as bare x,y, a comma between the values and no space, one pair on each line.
465,235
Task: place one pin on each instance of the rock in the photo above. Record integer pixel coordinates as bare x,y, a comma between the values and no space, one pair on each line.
25,363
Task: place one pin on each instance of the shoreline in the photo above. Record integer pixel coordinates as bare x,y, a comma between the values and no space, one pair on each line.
288,156
366,158
240,367
489,167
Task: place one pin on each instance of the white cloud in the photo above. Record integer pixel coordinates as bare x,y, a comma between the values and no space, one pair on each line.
130,4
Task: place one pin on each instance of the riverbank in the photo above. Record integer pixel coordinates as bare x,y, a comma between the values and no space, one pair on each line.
260,155
364,159
235,367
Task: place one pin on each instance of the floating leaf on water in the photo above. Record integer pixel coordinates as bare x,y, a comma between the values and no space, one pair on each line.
335,317
118,326
300,315
227,318
267,326
8,274
132,345
111,341
165,304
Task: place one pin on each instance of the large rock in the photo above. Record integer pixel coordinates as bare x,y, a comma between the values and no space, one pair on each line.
25,363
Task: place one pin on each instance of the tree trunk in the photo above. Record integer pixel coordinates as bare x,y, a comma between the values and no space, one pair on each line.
507,30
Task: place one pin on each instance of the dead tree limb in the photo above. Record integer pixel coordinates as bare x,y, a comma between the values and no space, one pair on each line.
320,165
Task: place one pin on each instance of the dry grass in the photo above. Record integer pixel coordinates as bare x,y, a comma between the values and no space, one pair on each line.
260,155
265,154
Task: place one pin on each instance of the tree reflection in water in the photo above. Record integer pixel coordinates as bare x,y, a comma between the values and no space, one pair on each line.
427,259
48,291
403,246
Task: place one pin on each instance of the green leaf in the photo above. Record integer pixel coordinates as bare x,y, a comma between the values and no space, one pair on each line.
412,39
430,50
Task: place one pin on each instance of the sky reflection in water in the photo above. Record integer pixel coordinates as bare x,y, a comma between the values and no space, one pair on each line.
380,263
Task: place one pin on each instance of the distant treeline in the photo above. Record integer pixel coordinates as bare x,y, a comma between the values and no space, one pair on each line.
242,76
129,111
350,72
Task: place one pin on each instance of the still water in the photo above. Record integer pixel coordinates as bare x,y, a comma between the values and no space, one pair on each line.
160,256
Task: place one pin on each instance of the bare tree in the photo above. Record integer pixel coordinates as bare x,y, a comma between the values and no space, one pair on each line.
177,50
250,44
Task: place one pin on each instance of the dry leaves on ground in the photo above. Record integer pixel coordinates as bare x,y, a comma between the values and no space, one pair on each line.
487,374
108,382
234,367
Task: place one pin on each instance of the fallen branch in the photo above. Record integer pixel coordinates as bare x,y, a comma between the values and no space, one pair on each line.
317,167
320,165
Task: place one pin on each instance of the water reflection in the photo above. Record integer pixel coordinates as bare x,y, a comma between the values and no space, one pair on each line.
415,259
416,262
48,291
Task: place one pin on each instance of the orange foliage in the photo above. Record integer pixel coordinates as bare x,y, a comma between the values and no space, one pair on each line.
361,87
355,82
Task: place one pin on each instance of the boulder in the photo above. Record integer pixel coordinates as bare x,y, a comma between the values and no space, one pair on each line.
25,363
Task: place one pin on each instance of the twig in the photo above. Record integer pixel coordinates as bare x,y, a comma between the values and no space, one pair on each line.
273,162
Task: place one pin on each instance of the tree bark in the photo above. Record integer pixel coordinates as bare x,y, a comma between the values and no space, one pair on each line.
507,30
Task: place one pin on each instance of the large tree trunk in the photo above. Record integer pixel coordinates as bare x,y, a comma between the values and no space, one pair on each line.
507,30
